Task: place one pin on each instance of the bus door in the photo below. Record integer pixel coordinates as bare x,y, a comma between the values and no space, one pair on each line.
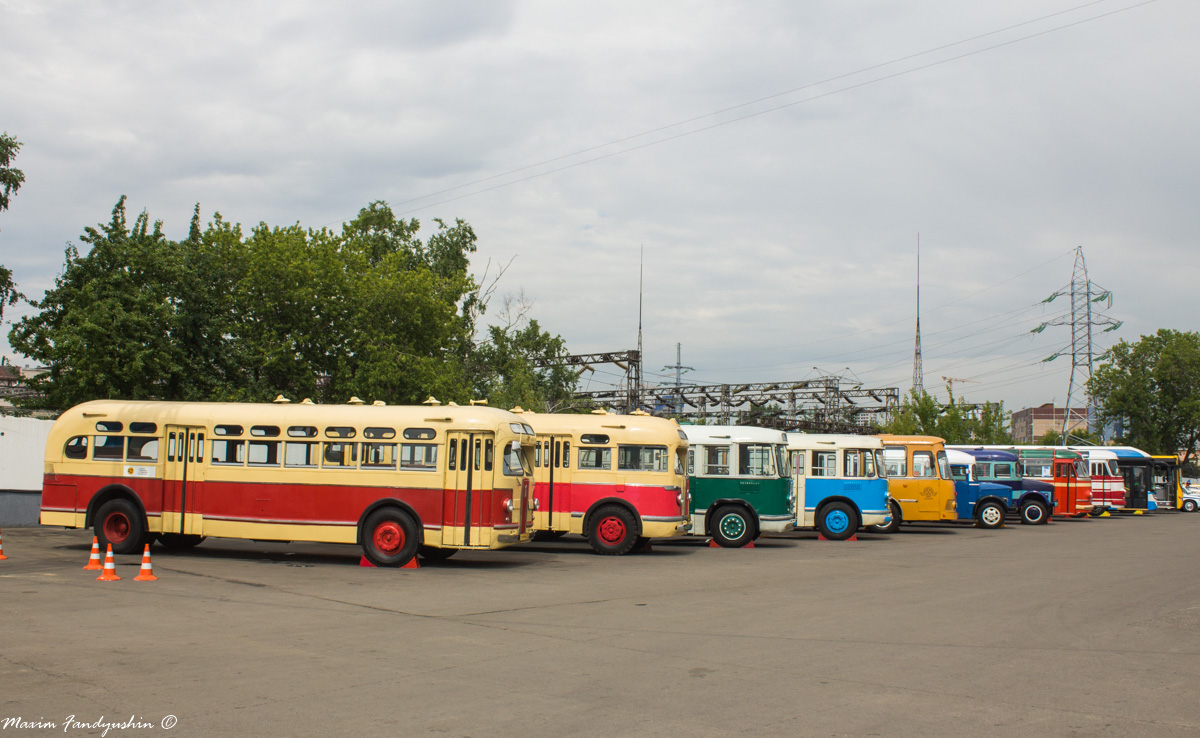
799,458
552,482
182,480
468,488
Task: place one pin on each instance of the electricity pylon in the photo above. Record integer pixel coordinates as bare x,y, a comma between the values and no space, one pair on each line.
1084,317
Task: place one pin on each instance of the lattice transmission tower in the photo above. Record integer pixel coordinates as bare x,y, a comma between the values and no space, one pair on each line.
918,383
1085,318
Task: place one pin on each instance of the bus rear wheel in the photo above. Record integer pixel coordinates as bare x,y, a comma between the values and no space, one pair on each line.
1189,506
990,515
837,521
390,537
893,525
119,523
1034,513
612,531
732,527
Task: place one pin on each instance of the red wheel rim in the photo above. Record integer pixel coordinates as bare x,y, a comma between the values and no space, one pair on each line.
388,537
116,528
612,530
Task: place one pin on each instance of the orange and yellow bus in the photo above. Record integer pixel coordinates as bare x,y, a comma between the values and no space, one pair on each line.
397,481
919,481
617,480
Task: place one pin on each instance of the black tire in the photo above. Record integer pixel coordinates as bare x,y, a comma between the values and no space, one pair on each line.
612,531
1189,506
893,526
179,542
837,521
390,537
119,522
433,553
989,515
732,527
1035,513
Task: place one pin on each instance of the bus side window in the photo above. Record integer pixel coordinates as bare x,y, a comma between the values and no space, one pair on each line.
853,464
76,448
170,447
798,462
225,452
452,459
264,453
716,459
824,464
199,448
566,455
337,455
297,454
142,449
691,464
487,454
923,465
109,448
537,456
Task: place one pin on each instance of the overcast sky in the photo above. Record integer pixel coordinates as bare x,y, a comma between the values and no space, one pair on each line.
775,160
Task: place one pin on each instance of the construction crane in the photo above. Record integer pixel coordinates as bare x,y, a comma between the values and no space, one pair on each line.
951,380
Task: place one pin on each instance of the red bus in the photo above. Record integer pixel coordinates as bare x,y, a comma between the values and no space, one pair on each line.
396,481
617,480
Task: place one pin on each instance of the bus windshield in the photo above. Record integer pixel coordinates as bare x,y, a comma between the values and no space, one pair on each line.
515,463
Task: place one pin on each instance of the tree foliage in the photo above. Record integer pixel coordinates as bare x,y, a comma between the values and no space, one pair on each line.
11,180
1152,389
372,311
922,414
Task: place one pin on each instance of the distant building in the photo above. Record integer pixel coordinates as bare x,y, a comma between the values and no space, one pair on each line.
1030,424
12,381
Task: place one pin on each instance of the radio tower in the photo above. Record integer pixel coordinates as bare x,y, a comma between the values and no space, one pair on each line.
918,371
1084,294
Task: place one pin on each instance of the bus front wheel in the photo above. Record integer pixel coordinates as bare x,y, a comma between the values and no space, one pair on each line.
612,531
732,527
390,537
891,526
990,515
837,521
1034,513
119,523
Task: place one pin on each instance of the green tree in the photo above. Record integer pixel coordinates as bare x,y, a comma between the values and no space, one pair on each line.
105,329
958,421
1152,388
11,180
372,311
917,416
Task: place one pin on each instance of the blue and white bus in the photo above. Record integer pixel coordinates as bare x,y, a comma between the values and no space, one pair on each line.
839,482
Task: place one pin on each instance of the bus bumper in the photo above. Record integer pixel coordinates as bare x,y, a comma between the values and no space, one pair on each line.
876,517
774,524
654,527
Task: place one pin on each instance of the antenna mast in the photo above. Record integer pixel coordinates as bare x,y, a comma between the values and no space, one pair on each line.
918,383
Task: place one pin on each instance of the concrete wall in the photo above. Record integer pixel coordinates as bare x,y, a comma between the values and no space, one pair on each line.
22,460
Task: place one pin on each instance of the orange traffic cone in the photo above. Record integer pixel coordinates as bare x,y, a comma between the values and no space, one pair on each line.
2,556
147,573
93,563
110,568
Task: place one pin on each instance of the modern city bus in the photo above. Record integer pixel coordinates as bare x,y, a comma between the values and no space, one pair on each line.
738,482
919,481
1168,490
1067,471
1108,485
839,483
984,503
1032,499
617,480
1137,470
395,480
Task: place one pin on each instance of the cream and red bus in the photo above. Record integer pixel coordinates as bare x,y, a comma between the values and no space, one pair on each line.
617,480
395,480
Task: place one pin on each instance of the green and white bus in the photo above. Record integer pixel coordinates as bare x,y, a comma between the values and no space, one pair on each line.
739,482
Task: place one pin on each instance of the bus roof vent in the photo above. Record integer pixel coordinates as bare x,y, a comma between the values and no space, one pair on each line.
281,400
431,401
599,412
518,410
354,401
379,403
479,402
639,411
307,401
